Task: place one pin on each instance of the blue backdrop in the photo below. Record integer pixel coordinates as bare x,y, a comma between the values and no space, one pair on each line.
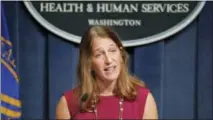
178,70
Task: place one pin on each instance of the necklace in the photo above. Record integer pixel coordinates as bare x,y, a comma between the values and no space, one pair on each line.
120,110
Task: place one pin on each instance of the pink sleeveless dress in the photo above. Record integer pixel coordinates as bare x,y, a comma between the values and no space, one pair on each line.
108,107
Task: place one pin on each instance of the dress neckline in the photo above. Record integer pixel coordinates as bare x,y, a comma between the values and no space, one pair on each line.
107,97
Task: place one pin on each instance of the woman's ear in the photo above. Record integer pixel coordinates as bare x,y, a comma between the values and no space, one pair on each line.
122,56
92,73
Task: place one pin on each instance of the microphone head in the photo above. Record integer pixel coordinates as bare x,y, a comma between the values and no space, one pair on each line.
84,97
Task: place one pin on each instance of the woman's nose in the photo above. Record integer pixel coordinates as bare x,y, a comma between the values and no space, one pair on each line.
108,59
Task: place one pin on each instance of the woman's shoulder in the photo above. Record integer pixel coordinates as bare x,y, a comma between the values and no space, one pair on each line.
142,92
71,98
70,93
143,89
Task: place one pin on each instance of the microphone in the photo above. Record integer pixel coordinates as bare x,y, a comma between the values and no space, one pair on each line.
83,99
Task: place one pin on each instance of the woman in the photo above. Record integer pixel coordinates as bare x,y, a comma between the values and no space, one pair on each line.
106,90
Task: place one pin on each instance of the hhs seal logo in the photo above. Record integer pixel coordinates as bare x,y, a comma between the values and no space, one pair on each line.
137,22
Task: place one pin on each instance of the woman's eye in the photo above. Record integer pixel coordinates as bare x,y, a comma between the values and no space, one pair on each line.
97,55
113,50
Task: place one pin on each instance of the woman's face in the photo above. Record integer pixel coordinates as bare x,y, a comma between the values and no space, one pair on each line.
106,59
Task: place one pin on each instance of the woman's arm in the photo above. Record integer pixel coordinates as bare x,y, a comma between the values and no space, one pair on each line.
150,110
62,111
